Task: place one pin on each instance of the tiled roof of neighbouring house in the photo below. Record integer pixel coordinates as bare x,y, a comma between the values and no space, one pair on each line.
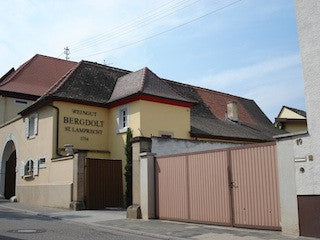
101,85
35,76
208,116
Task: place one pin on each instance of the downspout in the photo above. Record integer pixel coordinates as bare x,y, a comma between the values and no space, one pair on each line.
57,131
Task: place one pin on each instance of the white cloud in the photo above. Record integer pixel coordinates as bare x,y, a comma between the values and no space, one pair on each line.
225,79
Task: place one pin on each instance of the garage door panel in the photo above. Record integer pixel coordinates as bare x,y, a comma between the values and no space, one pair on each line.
172,188
209,193
255,192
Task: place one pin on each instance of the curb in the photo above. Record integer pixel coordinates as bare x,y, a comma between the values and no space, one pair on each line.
101,227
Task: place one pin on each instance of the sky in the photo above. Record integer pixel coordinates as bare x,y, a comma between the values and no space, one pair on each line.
247,48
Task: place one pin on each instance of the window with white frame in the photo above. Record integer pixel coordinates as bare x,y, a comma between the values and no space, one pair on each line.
42,162
31,126
123,119
28,168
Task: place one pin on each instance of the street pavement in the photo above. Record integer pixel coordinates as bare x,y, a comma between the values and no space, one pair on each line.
112,224
16,225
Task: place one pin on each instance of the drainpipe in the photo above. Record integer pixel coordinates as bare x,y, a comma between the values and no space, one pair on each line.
57,132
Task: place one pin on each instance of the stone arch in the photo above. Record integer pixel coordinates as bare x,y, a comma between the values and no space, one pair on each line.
8,163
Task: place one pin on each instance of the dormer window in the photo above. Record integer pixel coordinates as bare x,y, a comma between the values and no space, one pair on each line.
123,119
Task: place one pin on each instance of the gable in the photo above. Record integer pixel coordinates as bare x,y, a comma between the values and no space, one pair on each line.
289,114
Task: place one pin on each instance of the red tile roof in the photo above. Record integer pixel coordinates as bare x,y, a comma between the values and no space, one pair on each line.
36,76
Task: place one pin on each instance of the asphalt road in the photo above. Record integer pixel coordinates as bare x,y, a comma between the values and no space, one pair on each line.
17,225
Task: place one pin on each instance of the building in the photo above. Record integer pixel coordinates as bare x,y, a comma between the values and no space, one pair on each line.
20,88
291,120
88,110
299,153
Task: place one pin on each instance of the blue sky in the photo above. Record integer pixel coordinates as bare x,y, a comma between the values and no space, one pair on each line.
249,49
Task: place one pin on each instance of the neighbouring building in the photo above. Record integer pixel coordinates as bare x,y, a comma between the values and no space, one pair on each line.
291,120
20,88
299,153
68,145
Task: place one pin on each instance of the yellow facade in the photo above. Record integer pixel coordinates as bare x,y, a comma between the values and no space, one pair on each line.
87,128
293,126
296,126
159,117
287,113
10,107
145,119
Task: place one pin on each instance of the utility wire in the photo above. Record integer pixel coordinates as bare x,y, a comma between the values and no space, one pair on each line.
128,24
124,31
130,30
168,30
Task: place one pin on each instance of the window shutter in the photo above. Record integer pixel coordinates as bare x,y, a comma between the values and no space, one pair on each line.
22,165
36,167
26,127
36,118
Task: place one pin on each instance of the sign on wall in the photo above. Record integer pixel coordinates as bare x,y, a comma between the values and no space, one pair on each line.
83,126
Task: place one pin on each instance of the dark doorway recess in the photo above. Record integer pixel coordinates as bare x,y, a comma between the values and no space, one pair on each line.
10,179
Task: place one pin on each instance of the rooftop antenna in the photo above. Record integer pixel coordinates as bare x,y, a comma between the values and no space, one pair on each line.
67,52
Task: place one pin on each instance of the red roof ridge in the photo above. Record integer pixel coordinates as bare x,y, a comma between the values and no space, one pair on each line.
208,90
59,59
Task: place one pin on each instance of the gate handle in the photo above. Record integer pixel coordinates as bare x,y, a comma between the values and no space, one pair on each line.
232,185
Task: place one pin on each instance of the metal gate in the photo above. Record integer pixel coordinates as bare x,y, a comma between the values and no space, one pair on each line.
233,187
103,183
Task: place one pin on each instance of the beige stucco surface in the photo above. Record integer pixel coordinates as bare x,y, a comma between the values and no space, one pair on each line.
41,146
287,113
52,195
295,127
9,109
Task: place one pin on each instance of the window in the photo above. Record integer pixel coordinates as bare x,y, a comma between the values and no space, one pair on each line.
20,102
28,168
123,119
42,162
31,126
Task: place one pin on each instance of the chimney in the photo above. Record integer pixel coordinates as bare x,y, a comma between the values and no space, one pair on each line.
232,111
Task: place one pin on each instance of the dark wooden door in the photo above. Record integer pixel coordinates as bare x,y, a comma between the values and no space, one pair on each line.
103,183
10,177
309,215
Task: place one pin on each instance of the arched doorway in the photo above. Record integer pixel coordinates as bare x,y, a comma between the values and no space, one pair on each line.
10,177
8,170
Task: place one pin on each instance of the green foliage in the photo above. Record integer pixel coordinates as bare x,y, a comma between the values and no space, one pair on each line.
128,168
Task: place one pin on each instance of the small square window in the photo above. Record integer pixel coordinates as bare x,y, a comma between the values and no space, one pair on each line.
123,119
42,163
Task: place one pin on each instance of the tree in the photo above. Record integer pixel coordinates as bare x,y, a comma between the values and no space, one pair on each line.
128,168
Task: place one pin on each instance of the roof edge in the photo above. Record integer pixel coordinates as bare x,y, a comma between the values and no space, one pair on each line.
201,135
